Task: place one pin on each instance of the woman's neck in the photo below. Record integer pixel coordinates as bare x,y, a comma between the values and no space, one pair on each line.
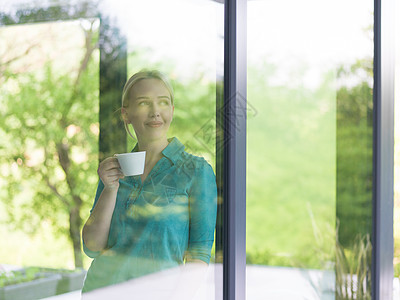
153,148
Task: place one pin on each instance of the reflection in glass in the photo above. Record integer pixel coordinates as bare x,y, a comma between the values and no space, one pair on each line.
309,150
61,87
156,219
49,83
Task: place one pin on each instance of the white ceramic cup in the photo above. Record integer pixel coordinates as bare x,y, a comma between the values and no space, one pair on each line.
132,163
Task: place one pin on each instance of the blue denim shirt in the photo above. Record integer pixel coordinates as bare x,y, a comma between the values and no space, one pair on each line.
159,222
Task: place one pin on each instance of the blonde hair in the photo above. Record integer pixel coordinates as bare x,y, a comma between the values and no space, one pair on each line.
135,78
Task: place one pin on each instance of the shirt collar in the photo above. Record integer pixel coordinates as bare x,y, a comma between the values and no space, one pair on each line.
172,151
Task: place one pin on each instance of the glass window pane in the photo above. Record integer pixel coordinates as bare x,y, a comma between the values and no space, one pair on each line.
151,232
309,185
49,127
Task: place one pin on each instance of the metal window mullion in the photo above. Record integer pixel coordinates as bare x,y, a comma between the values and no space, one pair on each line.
234,116
383,159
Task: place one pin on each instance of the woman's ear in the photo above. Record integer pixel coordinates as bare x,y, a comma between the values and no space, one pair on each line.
124,115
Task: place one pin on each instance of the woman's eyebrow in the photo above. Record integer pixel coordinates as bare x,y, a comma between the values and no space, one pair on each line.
146,98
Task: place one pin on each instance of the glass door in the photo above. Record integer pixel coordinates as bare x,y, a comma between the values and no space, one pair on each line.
310,143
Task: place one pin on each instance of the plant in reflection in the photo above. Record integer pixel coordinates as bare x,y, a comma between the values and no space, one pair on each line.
354,180
50,127
16,277
323,236
353,268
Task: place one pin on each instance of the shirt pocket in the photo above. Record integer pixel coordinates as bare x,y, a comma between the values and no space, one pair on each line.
163,195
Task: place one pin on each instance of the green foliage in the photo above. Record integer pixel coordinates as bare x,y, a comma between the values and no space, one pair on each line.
31,273
292,144
266,257
49,119
354,153
16,277
291,169
353,269
396,270
57,271
35,124
308,151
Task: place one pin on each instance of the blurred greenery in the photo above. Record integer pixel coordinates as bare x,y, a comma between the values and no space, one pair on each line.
353,269
291,171
16,277
309,156
309,162
49,122
354,152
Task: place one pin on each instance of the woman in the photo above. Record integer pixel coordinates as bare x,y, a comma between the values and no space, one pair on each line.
161,219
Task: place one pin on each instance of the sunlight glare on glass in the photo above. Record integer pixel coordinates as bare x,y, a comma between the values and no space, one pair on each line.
301,35
171,30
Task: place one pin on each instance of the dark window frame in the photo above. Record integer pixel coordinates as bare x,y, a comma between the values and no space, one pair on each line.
234,154
383,153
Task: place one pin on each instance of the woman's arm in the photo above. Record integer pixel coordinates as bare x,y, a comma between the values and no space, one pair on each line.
202,219
202,213
96,229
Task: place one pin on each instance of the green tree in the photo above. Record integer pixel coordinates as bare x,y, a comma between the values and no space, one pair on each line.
49,129
354,151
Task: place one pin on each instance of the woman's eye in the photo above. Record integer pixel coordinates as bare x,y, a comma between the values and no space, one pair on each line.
143,102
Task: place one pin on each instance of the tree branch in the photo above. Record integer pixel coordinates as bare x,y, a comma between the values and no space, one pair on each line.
54,189
65,162
50,185
3,65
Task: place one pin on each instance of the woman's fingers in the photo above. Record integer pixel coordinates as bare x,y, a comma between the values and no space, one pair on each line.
109,171
110,163
113,178
114,172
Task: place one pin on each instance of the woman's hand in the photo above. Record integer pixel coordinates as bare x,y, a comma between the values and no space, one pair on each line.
97,227
110,172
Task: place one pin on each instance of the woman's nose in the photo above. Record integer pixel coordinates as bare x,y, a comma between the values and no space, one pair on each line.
154,110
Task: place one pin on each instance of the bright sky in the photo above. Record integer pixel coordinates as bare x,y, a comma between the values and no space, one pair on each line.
183,31
311,29
319,33
186,31
314,34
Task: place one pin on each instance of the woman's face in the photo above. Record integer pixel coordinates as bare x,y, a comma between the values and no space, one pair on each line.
149,109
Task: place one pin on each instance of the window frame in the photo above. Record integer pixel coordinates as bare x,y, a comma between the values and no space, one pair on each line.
234,154
383,150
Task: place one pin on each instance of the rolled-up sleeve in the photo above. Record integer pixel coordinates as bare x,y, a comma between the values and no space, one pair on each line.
88,252
202,212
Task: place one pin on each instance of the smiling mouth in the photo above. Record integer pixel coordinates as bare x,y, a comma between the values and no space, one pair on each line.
154,124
